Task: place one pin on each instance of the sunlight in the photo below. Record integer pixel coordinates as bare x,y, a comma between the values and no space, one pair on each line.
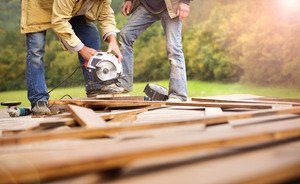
290,6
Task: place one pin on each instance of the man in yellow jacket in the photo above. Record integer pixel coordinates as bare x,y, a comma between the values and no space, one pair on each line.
72,22
144,14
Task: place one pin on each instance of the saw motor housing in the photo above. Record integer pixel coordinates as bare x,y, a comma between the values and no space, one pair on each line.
105,67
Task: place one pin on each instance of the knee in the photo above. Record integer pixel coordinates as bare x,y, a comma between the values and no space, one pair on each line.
127,38
35,55
175,51
36,45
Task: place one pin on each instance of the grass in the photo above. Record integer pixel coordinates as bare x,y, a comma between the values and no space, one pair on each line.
195,88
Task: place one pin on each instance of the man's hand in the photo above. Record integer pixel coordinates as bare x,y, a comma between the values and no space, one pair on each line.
127,7
87,52
183,10
113,46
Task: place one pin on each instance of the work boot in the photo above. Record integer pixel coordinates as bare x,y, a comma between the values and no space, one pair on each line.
174,100
41,108
107,89
113,89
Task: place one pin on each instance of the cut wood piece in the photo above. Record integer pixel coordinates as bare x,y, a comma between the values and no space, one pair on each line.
255,101
99,132
27,124
86,117
124,97
89,159
213,111
111,96
257,120
91,178
235,97
222,105
124,114
279,99
94,104
63,122
175,132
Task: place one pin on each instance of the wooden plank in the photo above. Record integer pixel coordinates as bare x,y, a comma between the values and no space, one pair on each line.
130,103
169,114
213,111
274,164
91,178
222,105
258,120
90,159
106,103
104,131
110,96
197,99
127,113
86,117
280,99
27,124
134,98
234,97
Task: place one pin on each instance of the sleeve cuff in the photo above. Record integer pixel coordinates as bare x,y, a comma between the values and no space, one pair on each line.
185,1
77,48
108,34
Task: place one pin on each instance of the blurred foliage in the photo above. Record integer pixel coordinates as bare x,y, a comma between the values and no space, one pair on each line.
254,41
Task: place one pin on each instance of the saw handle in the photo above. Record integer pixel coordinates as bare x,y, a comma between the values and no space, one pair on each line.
86,62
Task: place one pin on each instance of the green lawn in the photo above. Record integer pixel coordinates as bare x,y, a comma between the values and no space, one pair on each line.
196,89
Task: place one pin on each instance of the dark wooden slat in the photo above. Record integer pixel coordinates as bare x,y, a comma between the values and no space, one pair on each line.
130,103
90,103
99,132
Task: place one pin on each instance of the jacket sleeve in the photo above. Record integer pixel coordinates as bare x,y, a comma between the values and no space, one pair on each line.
61,14
106,19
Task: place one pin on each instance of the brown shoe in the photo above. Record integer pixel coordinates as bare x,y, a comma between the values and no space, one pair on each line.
41,108
107,89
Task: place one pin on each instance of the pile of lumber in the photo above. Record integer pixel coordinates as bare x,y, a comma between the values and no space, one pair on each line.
221,139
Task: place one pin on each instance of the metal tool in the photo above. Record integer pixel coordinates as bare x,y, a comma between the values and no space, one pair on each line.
105,67
13,109
156,92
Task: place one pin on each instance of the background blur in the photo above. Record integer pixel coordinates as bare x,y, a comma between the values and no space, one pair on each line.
249,41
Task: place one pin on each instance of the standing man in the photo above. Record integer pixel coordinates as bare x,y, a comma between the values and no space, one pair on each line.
145,13
72,22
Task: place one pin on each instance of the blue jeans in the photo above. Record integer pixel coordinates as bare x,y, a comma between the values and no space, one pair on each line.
139,21
87,32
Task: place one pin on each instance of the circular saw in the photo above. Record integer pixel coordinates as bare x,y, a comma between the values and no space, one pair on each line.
105,67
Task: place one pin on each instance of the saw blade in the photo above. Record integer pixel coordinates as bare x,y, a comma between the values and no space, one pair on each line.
106,70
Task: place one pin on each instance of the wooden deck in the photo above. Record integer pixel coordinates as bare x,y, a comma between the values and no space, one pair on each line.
220,139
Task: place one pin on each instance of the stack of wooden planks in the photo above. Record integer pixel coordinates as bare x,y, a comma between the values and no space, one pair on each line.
220,139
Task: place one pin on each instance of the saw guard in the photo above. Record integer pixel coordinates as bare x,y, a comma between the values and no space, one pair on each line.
95,65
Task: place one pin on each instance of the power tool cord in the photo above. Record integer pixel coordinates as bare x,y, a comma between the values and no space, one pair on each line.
62,83
65,80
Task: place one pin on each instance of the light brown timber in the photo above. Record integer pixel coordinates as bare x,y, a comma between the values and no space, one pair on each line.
197,99
99,132
86,117
91,159
221,105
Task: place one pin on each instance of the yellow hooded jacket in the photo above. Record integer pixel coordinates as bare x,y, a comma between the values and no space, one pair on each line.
40,15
